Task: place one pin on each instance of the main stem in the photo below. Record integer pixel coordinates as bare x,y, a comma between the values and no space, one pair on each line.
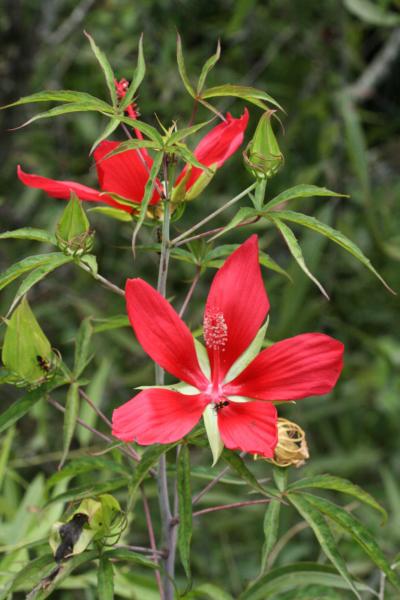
162,481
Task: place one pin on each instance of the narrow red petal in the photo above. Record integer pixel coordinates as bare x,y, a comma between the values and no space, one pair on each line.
162,333
301,366
218,145
125,174
249,426
237,292
59,189
157,417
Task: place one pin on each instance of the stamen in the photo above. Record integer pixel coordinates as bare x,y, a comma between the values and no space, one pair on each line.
215,330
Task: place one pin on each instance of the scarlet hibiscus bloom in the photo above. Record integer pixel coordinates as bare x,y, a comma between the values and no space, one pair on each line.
234,394
127,173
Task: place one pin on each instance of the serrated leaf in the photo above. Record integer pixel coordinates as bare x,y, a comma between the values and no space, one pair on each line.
291,577
27,264
113,213
357,531
82,344
60,96
334,235
182,67
323,534
105,579
248,93
186,132
148,130
184,508
271,528
137,78
23,405
208,65
148,192
372,13
30,233
238,465
338,484
38,274
109,129
131,145
106,68
301,191
296,252
70,416
63,109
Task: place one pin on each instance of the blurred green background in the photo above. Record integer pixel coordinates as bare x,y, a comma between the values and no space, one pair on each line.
335,67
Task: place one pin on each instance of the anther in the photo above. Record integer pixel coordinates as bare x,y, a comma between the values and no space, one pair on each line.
215,330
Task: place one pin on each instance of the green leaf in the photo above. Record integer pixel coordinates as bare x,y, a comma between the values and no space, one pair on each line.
208,65
70,416
92,490
106,68
61,96
137,78
280,475
334,235
109,129
296,575
266,261
114,213
338,484
38,274
82,343
132,145
185,507
148,192
148,459
186,132
30,233
238,465
27,264
105,579
182,67
148,130
23,405
63,109
68,567
295,250
271,528
24,342
248,355
372,13
115,322
323,534
243,214
251,94
300,191
190,158
86,464
357,531
211,591
129,556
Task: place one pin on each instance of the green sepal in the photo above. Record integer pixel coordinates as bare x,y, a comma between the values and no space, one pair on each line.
73,232
263,157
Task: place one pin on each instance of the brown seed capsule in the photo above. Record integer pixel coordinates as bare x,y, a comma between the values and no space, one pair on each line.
292,449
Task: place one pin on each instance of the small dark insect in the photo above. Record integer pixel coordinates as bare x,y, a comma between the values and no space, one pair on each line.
43,363
70,534
219,405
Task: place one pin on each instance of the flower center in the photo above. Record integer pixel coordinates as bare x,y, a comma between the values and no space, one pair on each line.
215,330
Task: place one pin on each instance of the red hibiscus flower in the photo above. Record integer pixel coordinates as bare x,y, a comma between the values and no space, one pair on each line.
227,382
126,174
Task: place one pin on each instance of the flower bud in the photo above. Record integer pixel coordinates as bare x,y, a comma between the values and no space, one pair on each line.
292,449
73,233
262,156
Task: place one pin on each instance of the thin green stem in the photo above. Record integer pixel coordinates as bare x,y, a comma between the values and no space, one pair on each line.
231,202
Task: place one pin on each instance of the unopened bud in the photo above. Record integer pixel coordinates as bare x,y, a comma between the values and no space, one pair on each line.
74,235
263,157
292,449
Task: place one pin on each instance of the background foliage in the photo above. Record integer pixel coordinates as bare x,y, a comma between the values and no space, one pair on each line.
305,56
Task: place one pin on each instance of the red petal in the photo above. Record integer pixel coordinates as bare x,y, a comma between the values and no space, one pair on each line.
238,292
249,426
218,145
157,417
304,365
162,333
125,174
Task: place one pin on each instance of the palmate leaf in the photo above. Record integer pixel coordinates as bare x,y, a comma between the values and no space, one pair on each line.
334,235
186,132
106,68
324,536
208,65
250,94
65,109
301,191
182,67
338,484
108,130
296,575
61,96
132,145
184,508
357,531
238,465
